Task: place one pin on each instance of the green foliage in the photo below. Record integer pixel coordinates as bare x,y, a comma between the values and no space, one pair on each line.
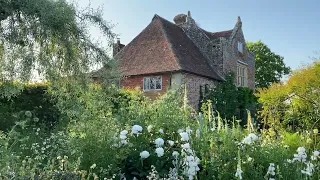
230,100
34,99
90,145
270,67
224,97
294,105
50,37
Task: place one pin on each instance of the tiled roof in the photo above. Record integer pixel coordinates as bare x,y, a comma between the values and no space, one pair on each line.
163,47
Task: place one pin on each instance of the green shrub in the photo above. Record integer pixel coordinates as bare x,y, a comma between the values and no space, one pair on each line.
33,98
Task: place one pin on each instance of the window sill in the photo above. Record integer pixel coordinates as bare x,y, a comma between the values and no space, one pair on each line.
153,90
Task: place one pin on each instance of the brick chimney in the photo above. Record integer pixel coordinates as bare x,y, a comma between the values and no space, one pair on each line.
117,47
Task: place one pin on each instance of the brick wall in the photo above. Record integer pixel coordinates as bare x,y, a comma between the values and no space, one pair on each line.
136,82
193,83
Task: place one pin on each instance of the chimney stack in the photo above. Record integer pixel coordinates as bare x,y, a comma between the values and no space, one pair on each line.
117,47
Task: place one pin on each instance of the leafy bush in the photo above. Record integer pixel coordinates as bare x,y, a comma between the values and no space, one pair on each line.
231,101
33,98
152,140
294,105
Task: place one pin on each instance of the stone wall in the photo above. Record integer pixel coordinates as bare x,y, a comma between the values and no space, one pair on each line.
222,53
193,84
211,49
232,55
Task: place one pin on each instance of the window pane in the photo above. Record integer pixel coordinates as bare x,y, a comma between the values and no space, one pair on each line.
152,83
158,83
146,83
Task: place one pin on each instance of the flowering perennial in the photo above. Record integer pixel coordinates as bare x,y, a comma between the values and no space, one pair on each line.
159,142
239,172
184,136
136,129
309,169
160,151
301,156
251,138
315,155
149,128
144,154
171,143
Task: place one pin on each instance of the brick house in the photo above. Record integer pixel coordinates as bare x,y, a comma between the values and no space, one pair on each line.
166,55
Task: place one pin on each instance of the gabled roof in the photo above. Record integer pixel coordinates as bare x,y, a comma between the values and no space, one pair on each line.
163,47
215,35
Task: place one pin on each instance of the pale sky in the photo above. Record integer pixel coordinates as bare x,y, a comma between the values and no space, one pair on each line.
289,28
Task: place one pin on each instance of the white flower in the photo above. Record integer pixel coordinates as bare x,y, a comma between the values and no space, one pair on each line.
160,151
250,159
198,133
239,172
192,163
309,170
250,139
124,132
271,169
144,154
301,149
175,154
180,130
123,142
188,130
184,136
159,142
301,156
171,143
185,146
123,137
93,166
161,131
149,128
136,129
315,155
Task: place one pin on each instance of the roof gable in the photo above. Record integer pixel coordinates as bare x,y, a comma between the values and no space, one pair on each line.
147,53
187,53
161,47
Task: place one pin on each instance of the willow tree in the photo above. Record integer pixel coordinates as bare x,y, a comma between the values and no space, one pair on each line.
50,37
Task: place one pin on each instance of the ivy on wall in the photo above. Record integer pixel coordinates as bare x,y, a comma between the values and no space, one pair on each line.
230,100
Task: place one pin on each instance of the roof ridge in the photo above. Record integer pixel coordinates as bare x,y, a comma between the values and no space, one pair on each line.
222,31
177,60
133,40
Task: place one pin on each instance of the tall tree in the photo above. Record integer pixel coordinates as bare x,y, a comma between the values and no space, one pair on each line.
270,67
49,36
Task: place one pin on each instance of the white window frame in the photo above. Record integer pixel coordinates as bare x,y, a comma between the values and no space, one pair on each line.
147,80
240,46
242,75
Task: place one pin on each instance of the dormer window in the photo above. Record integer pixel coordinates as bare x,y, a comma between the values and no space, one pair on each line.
240,47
